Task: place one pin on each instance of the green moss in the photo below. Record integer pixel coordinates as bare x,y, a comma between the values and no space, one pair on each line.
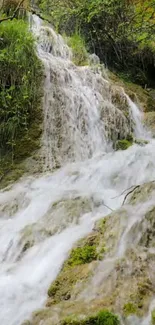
100,225
129,309
82,255
141,142
153,317
78,268
123,144
104,317
62,288
141,296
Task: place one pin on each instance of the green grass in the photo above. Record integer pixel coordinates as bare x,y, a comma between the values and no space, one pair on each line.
80,55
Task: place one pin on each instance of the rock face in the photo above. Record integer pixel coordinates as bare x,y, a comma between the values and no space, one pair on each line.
113,268
150,121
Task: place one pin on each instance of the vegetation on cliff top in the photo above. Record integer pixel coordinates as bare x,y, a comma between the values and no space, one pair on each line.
121,32
20,93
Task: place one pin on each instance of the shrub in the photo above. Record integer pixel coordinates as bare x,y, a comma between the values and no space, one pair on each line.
20,83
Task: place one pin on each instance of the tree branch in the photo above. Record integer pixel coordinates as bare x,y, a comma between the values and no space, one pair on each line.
130,193
133,188
14,13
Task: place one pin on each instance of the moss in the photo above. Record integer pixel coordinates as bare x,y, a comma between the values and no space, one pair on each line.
153,317
129,309
141,142
100,225
62,288
104,317
82,255
78,268
141,296
123,144
135,92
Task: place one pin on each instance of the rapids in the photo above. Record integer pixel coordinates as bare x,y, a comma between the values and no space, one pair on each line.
36,231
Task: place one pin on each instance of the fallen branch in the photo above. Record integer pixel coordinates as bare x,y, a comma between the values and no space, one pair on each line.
123,192
130,193
14,13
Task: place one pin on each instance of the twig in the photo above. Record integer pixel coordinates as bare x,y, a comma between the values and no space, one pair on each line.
108,207
122,192
14,14
137,186
130,193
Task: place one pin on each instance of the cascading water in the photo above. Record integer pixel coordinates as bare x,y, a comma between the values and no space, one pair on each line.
43,216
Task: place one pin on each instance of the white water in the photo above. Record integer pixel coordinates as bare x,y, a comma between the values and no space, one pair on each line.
28,209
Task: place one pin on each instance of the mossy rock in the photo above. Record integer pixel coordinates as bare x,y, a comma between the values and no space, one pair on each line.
78,267
129,309
138,94
104,317
127,290
149,121
141,142
142,193
123,144
62,288
82,255
150,105
153,317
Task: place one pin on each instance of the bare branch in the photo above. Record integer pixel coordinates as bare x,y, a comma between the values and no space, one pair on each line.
108,207
14,13
130,193
133,188
123,192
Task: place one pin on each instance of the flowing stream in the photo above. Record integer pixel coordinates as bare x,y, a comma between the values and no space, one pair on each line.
42,216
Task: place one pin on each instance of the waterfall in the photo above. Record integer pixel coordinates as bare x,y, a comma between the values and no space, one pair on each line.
42,216
80,117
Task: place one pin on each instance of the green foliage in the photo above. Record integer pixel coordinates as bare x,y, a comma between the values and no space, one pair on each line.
104,317
120,32
20,87
80,56
129,309
123,144
82,255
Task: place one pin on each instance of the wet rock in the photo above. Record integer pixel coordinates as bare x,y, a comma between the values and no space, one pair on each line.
149,121
120,279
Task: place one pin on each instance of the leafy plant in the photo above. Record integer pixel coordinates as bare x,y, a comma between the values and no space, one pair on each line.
20,82
120,32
